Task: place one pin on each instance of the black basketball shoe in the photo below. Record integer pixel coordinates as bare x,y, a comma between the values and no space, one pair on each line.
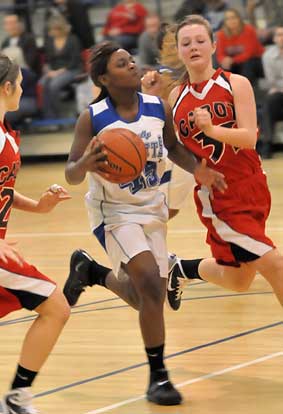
79,276
161,391
176,282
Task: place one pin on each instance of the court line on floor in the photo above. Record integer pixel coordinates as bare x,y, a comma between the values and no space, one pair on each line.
74,310
88,233
173,355
189,382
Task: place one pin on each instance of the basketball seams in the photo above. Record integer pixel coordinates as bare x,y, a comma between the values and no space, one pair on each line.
121,158
134,145
125,162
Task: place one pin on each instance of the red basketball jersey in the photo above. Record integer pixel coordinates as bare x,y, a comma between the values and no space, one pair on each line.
9,166
216,95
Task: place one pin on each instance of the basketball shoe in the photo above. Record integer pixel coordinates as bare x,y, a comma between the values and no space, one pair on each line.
79,279
161,390
176,282
18,401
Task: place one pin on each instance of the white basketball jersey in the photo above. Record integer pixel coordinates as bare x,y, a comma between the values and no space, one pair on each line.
138,201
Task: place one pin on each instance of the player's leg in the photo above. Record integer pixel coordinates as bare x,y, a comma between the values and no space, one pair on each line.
271,267
85,271
151,289
237,279
145,261
40,294
53,313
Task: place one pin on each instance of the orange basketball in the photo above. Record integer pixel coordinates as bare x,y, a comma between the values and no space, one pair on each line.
126,155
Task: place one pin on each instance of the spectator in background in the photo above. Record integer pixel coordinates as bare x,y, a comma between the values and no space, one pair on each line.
125,23
63,64
214,12
20,47
273,103
77,16
238,48
272,11
189,7
148,51
21,8
20,42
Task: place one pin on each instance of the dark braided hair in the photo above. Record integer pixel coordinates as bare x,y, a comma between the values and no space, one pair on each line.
8,70
99,59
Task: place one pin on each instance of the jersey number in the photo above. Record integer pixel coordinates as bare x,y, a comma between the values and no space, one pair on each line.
6,200
148,179
217,147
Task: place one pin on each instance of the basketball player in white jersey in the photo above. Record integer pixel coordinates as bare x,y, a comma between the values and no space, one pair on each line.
117,212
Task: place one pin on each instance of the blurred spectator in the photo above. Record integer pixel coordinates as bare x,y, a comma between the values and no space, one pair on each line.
147,46
238,48
63,64
189,7
20,46
21,8
76,13
124,24
272,17
20,43
273,104
214,12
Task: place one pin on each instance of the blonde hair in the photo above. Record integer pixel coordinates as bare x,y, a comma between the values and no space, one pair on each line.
169,53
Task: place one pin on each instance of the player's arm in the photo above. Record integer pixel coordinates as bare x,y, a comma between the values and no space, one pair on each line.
176,151
84,155
47,201
245,135
186,160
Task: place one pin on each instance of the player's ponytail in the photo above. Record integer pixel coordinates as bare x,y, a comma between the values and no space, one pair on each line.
176,74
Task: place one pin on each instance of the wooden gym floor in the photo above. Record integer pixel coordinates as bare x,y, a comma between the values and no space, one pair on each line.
224,349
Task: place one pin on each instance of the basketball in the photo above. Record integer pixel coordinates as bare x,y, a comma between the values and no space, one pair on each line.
126,155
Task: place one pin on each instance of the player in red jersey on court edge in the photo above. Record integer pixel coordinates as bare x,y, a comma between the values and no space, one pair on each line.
21,284
215,115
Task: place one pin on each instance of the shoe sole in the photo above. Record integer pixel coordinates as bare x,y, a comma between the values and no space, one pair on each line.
167,403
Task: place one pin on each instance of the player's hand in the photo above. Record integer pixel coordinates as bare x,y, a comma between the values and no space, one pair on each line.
151,83
202,119
51,197
9,252
95,157
209,178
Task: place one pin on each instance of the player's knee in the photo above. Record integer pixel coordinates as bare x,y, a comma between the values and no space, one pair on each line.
56,307
242,284
241,287
151,288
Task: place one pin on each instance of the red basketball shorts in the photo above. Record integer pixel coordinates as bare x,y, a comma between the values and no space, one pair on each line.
235,220
22,287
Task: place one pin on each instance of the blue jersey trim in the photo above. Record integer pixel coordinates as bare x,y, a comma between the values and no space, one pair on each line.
99,233
166,177
110,116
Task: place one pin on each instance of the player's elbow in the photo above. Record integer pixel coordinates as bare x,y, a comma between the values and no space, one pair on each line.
251,140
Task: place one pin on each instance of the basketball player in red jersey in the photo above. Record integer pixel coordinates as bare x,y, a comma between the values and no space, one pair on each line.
215,114
21,284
